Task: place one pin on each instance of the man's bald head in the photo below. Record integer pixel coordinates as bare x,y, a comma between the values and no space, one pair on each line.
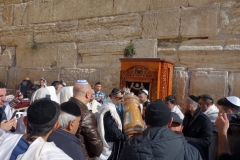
82,91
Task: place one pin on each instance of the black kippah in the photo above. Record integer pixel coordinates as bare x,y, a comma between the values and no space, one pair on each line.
194,98
71,108
41,113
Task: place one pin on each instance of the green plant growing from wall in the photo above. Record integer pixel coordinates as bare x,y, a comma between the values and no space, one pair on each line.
31,45
129,51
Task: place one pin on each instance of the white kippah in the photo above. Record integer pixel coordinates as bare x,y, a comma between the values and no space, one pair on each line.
145,91
234,100
82,81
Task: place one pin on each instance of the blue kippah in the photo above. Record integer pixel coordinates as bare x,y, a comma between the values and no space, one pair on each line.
82,81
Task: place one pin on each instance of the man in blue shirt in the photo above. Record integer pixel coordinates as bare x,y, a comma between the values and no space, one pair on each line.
99,96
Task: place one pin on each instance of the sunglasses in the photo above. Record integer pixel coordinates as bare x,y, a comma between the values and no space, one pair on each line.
119,98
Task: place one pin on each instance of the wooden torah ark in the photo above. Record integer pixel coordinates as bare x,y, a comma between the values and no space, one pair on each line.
152,74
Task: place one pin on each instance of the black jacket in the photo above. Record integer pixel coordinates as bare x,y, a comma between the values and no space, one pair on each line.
198,129
67,142
158,143
112,133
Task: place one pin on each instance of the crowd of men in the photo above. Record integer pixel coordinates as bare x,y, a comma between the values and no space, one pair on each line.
80,122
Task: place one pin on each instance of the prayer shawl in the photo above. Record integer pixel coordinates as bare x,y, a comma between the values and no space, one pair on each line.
64,94
42,92
38,150
107,106
8,111
212,113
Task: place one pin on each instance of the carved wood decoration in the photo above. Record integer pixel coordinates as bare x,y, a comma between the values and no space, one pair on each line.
154,74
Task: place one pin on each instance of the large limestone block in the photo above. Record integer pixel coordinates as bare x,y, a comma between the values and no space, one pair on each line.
202,44
40,11
7,15
220,60
48,55
234,85
110,28
181,79
79,9
214,83
101,54
232,44
16,35
145,48
199,21
70,75
11,78
20,14
55,32
34,74
12,1
8,57
168,51
129,6
160,24
198,3
3,73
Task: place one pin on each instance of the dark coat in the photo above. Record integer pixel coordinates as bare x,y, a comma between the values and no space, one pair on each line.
87,131
112,133
158,143
67,142
198,129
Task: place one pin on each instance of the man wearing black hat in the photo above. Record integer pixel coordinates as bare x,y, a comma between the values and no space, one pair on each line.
41,120
197,126
171,102
64,137
158,142
110,125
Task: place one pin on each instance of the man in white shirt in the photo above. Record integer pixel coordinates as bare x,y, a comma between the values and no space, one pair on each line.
171,102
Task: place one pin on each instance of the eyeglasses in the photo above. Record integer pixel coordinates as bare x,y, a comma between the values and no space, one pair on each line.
119,98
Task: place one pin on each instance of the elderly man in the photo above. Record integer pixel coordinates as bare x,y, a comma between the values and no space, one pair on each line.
197,126
64,137
158,142
228,126
110,125
87,131
41,120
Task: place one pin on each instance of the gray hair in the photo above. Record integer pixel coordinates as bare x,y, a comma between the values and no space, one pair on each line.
65,118
190,101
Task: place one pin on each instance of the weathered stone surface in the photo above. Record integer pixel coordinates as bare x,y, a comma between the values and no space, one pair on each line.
198,3
69,9
40,11
20,14
12,1
234,85
199,21
55,32
123,6
110,28
160,24
145,48
34,74
1,1
70,75
3,73
16,35
210,59
48,55
181,79
8,57
214,83
7,15
101,54
168,51
202,44
232,44
12,74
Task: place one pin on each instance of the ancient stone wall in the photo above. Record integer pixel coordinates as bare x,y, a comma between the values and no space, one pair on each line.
76,39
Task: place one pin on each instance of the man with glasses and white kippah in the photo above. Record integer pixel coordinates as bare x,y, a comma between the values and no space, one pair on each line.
110,125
